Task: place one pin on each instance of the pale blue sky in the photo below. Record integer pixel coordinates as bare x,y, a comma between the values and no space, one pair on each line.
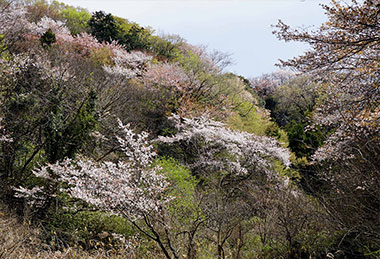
240,27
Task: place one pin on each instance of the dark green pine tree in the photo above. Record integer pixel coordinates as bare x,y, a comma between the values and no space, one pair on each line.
104,27
48,38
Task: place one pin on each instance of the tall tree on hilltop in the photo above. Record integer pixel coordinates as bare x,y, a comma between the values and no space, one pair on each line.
104,27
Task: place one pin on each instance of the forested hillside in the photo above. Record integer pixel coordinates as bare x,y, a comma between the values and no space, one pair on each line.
117,142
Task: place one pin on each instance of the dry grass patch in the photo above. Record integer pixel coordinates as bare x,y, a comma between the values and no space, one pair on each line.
19,240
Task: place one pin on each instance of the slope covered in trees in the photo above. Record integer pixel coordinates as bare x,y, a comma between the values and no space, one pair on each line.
117,142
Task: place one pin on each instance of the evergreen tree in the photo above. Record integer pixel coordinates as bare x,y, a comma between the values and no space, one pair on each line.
48,38
104,27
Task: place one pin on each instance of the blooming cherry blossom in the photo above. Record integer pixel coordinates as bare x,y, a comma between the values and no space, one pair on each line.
247,150
129,188
12,18
167,75
126,64
39,28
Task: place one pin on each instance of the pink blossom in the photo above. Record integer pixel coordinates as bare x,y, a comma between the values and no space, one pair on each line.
168,75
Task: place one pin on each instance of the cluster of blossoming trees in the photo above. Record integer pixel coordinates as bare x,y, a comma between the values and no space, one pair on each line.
193,186
61,97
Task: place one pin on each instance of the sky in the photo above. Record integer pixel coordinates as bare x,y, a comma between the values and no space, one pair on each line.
241,28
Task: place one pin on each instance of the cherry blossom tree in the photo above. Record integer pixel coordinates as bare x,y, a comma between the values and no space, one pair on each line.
13,22
46,23
133,188
235,168
344,56
266,84
126,64
246,149
81,64
168,75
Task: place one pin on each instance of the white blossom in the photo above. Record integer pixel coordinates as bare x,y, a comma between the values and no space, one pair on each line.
129,188
126,64
34,197
12,19
4,137
246,151
46,23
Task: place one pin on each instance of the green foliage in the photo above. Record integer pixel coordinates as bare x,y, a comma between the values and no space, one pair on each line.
190,61
66,136
124,24
48,38
76,19
162,47
291,107
248,117
88,229
133,36
294,100
292,173
100,57
303,143
183,184
182,188
37,9
104,27
21,114
166,45
136,38
3,47
107,28
44,123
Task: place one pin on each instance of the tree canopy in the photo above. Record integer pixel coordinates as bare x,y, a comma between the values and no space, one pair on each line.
344,57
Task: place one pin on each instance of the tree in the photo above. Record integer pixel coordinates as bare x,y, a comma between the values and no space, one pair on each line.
76,19
49,100
104,27
45,115
169,76
166,45
133,188
266,84
38,9
48,38
292,105
234,168
344,56
13,23
136,38
107,29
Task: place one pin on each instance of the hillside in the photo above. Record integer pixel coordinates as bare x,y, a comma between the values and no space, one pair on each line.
118,142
